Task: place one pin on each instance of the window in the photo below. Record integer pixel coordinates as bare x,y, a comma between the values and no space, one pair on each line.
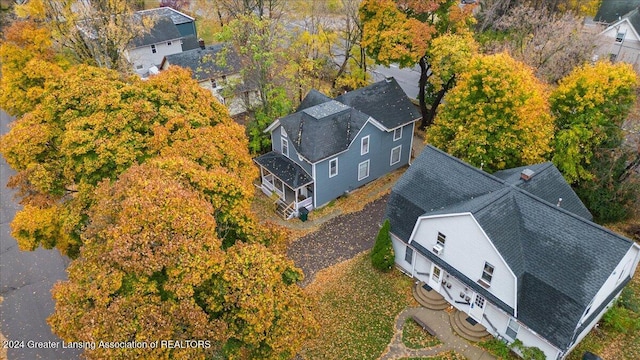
441,239
285,147
487,273
333,167
139,66
153,49
397,134
168,43
395,155
214,84
512,329
408,254
364,145
224,79
363,170
620,37
612,57
436,273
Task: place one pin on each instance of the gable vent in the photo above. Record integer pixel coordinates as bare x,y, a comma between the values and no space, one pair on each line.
526,174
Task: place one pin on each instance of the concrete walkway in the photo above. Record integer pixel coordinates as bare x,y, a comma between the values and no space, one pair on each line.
438,321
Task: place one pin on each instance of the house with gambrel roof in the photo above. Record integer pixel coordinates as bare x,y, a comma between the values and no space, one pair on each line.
514,252
330,147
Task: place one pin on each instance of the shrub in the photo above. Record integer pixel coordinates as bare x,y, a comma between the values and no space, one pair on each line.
382,256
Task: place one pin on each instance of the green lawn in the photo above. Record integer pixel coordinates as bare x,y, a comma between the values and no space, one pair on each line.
356,307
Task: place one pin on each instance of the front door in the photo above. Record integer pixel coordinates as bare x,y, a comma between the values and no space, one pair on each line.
436,277
476,310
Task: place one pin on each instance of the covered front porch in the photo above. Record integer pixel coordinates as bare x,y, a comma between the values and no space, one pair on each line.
285,180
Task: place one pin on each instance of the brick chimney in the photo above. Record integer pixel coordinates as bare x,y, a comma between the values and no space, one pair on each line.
526,174
201,43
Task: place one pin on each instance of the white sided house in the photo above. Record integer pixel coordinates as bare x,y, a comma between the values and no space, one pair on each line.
515,251
620,38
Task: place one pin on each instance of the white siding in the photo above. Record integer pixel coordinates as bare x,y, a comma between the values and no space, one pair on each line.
399,248
626,51
143,56
531,339
466,249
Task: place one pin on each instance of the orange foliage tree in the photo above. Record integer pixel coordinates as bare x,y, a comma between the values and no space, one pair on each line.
401,31
92,124
496,117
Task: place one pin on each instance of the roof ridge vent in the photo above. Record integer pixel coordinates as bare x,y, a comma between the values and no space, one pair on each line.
300,131
527,174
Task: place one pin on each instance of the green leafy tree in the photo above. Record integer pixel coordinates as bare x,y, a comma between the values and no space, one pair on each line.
401,32
382,256
590,105
496,117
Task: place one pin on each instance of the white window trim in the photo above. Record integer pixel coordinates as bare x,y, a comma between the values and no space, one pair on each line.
489,274
368,170
364,151
515,329
443,241
153,49
330,161
397,131
391,162
284,141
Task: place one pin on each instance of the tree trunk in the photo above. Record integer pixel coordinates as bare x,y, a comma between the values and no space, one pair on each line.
434,107
422,84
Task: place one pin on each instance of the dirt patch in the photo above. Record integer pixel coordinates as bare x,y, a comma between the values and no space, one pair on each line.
338,239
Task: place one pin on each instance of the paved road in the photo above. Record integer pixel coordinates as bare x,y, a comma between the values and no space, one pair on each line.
26,279
407,78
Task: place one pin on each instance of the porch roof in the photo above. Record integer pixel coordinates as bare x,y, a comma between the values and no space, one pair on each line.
284,169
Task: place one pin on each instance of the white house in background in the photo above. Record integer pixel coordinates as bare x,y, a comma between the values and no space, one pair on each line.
621,39
515,250
217,69
172,32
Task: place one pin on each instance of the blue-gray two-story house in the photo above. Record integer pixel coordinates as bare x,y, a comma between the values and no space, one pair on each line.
330,147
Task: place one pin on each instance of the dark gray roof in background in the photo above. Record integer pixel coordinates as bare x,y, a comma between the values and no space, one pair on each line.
559,257
611,11
167,12
189,43
163,30
547,183
313,98
284,169
212,61
323,130
385,101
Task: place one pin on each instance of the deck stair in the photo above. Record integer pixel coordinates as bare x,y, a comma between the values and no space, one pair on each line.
466,329
284,210
428,297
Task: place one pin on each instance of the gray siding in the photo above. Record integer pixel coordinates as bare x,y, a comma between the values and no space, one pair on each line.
379,156
276,145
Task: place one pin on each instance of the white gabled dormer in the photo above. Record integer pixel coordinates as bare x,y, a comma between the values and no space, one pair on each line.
459,241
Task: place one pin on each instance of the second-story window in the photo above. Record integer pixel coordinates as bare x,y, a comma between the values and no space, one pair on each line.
441,239
153,49
364,145
397,134
487,273
285,147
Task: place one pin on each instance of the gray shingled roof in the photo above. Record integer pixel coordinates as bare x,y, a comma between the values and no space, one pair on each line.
323,130
284,169
385,101
611,11
167,12
559,257
313,98
163,30
212,61
547,183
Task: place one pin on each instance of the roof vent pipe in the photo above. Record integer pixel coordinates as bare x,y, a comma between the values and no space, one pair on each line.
559,202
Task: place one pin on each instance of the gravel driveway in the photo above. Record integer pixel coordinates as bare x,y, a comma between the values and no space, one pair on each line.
338,239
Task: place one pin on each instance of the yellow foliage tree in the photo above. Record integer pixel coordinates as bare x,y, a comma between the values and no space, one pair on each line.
496,117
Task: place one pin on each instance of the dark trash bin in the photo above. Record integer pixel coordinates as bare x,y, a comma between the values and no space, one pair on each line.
303,213
590,356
